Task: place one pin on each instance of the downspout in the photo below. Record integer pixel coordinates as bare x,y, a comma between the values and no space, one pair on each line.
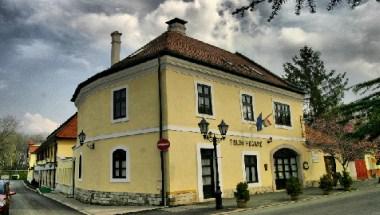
163,188
73,177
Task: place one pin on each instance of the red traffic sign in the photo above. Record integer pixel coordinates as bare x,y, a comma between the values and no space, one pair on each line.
163,144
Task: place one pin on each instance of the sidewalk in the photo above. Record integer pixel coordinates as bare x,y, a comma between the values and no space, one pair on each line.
257,201
265,200
96,209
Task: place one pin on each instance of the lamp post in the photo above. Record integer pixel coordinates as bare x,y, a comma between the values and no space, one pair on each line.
208,135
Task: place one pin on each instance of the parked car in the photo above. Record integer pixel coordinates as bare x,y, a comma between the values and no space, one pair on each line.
5,195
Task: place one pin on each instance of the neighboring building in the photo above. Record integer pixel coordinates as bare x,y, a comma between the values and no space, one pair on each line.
54,157
163,90
32,158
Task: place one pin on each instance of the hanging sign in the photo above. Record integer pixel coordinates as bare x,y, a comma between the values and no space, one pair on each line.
163,144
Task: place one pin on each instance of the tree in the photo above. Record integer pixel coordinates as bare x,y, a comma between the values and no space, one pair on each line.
13,145
300,4
8,126
324,90
332,137
369,106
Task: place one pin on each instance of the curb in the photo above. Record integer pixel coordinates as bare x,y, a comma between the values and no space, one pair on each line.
66,204
63,203
29,188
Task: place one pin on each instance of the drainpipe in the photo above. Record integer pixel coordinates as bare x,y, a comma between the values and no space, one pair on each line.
163,188
73,176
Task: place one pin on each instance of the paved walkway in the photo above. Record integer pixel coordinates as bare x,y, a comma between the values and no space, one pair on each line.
257,201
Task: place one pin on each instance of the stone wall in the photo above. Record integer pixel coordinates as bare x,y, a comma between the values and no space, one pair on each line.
64,189
116,198
252,191
182,197
311,183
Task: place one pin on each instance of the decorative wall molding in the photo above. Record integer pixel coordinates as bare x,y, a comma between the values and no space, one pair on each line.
178,128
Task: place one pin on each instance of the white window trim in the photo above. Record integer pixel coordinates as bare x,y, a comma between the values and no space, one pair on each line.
81,164
213,116
274,115
253,107
199,167
128,174
126,118
258,166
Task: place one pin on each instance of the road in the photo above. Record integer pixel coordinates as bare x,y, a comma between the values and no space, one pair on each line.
354,203
27,202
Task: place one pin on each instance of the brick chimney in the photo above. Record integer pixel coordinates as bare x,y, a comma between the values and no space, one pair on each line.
115,48
177,25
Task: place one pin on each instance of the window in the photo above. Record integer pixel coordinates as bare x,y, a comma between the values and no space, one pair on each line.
247,107
282,114
120,103
80,167
204,99
119,164
250,163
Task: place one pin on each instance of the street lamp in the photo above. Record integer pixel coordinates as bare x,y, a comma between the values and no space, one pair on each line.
82,137
208,135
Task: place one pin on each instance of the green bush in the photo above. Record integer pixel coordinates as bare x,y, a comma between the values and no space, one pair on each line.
44,189
346,181
293,186
242,192
326,182
23,175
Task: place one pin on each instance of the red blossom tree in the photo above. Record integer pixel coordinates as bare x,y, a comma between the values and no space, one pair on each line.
335,139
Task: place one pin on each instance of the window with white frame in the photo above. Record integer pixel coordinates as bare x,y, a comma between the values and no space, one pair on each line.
282,114
119,104
204,99
247,106
119,164
250,164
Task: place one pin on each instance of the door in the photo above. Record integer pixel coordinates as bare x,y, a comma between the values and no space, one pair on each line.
285,165
207,159
330,165
361,169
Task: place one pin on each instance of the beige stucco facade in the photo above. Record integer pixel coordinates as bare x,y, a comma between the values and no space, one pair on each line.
139,133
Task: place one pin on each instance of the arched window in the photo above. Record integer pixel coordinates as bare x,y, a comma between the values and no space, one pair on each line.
119,164
80,167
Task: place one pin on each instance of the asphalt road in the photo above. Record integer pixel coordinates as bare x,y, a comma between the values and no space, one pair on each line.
354,203
27,202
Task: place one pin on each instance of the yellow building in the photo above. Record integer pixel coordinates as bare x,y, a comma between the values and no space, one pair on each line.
32,158
163,90
54,158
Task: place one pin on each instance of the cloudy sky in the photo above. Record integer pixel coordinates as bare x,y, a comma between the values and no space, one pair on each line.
48,47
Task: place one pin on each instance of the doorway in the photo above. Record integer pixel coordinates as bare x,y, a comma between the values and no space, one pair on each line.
208,180
285,166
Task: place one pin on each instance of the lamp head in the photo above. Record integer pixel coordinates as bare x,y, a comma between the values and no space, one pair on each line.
203,126
82,137
223,128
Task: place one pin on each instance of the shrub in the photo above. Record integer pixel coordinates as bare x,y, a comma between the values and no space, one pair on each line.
346,181
293,187
326,183
242,192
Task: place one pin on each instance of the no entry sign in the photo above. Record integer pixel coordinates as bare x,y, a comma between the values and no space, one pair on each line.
163,144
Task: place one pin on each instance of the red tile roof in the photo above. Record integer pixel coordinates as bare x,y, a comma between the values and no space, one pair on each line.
33,148
179,45
68,129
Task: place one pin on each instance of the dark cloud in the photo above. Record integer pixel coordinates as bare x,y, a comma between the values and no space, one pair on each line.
48,47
